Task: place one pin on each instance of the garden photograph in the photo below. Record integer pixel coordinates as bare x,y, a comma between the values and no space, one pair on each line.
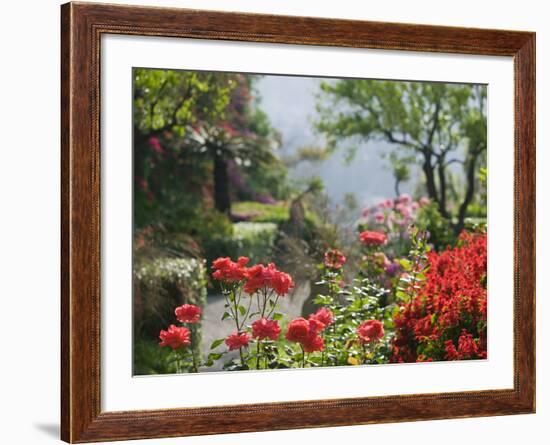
306,222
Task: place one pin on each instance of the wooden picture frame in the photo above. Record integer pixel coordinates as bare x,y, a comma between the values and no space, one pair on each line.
82,26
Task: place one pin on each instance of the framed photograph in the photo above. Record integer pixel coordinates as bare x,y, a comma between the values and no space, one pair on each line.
274,222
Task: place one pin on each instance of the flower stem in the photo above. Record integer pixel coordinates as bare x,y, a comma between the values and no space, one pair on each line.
193,346
258,354
274,307
323,351
241,355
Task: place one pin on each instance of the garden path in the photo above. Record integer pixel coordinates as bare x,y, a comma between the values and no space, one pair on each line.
213,327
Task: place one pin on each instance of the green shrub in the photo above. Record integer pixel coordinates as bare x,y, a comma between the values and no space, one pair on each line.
440,229
254,240
149,359
160,285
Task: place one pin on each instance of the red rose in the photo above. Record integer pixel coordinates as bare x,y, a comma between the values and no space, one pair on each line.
313,343
229,271
334,259
370,331
373,238
175,337
221,263
324,316
264,328
282,283
237,341
298,330
305,332
260,277
188,313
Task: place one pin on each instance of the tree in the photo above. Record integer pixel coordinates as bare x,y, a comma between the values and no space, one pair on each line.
189,127
243,137
435,124
167,104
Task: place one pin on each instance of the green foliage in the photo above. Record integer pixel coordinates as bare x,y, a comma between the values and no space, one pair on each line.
210,229
414,267
171,100
168,174
478,209
352,305
162,284
150,359
196,136
254,240
264,178
441,233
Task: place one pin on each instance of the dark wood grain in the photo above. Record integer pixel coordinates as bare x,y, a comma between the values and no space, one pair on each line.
82,26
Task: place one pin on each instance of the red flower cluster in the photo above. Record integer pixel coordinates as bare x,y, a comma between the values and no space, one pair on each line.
324,316
468,348
256,277
264,328
306,332
260,277
447,317
188,313
237,341
334,259
175,337
370,331
373,238
229,271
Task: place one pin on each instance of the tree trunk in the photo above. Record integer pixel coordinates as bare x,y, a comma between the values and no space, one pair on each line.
442,183
430,182
396,188
470,178
222,199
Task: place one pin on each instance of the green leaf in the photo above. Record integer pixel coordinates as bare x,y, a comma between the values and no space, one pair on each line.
277,316
215,356
226,315
405,264
289,350
216,343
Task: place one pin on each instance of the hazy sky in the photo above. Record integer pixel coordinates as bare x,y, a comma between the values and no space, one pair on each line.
290,104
